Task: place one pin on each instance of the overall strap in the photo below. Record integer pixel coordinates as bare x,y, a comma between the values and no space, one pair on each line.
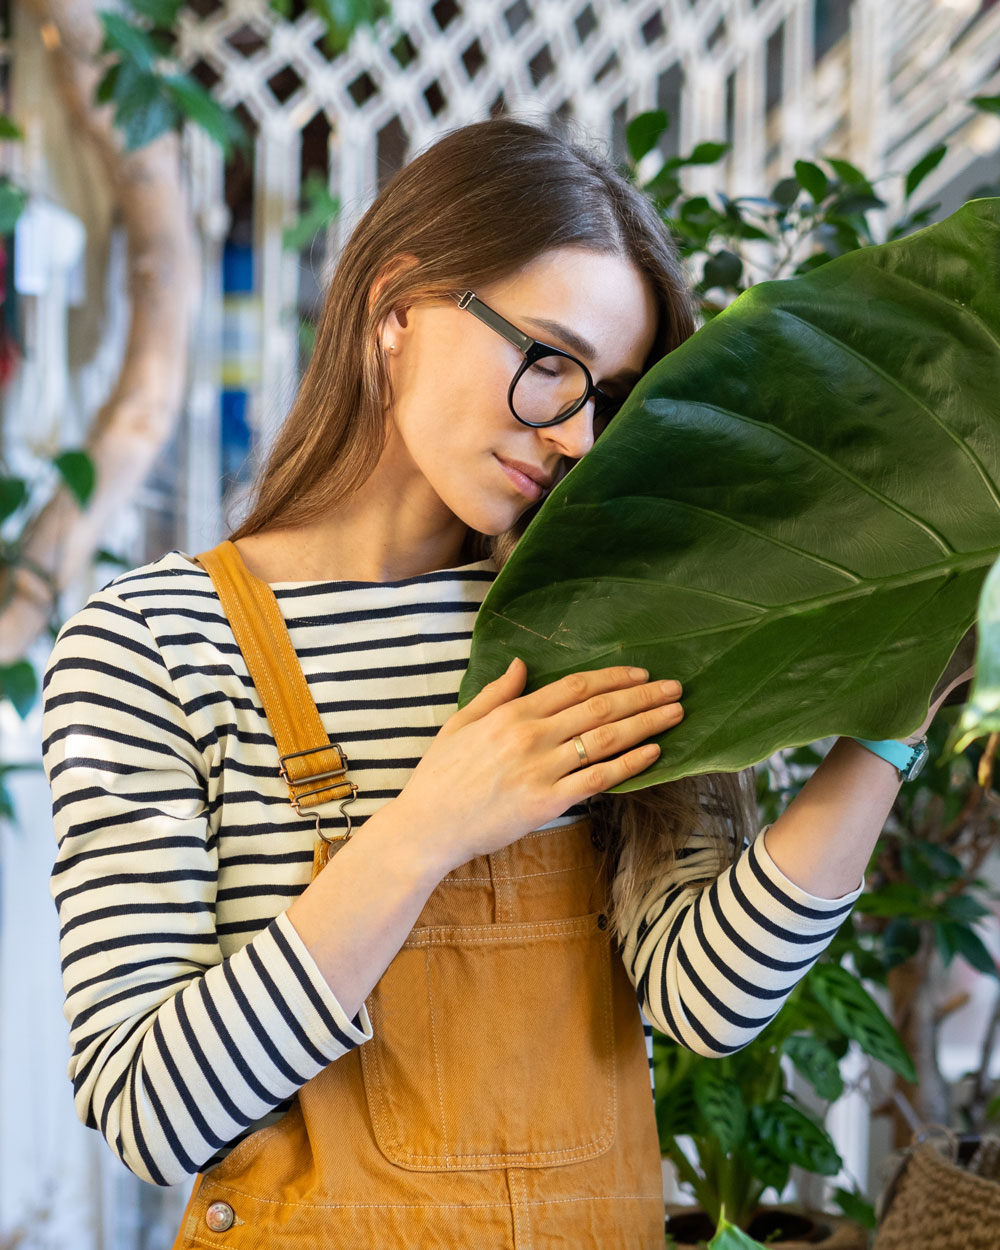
314,768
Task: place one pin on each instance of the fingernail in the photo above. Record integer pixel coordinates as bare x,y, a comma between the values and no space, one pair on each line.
638,674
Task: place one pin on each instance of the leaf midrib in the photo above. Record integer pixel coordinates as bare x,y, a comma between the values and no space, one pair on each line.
961,564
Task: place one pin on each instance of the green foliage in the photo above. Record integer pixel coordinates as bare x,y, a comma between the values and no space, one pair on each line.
152,96
729,1237
149,96
320,209
855,1206
12,197
77,471
19,685
820,211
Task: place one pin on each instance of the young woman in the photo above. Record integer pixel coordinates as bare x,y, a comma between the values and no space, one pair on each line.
435,1041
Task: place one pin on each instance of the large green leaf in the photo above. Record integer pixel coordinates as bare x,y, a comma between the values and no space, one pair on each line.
793,513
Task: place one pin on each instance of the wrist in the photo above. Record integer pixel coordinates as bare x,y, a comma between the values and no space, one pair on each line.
907,757
417,846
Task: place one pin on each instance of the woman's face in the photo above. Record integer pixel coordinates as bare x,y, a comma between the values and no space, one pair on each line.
450,424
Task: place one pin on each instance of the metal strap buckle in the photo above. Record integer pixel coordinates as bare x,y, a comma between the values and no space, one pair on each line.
334,772
324,776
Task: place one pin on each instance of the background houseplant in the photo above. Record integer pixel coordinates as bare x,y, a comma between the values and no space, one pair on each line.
743,1127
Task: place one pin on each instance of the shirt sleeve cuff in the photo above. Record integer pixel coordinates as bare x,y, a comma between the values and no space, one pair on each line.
795,892
317,1003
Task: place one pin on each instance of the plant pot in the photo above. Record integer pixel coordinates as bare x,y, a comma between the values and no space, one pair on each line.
806,1230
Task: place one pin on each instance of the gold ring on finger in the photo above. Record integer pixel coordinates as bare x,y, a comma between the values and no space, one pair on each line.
581,750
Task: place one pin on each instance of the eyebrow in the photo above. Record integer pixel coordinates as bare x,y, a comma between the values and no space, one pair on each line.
580,346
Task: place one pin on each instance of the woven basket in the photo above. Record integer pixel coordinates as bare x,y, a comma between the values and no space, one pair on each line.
941,1200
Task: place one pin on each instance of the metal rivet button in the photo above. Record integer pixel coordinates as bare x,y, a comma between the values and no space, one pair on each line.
219,1217
602,921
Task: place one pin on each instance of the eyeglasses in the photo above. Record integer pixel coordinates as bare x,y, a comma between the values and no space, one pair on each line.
550,384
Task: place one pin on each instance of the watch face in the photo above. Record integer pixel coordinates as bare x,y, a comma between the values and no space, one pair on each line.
917,763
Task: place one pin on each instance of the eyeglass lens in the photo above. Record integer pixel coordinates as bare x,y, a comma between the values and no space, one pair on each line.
551,387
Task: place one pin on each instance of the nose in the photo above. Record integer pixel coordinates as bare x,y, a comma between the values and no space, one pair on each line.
573,437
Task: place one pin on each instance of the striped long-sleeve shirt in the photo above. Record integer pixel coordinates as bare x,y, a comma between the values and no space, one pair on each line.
195,1010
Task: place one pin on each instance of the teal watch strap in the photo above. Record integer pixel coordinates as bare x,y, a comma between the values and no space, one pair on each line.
907,757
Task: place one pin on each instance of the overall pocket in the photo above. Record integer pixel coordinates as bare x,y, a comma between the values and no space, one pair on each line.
493,1046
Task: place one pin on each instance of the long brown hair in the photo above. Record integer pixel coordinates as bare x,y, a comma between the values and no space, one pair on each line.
475,207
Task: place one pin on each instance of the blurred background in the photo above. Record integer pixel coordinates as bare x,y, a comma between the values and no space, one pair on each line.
175,183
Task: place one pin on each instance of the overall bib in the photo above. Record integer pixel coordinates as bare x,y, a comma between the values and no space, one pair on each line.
502,1103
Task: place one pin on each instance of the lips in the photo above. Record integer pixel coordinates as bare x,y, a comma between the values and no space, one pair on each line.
539,476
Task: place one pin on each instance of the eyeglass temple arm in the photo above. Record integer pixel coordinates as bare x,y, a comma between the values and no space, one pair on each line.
511,333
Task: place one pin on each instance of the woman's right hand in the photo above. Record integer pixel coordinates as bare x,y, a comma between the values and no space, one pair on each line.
504,765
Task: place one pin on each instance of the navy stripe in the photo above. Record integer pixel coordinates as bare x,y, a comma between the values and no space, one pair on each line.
205,1067
311,993
286,1069
226,1038
782,933
275,994
800,909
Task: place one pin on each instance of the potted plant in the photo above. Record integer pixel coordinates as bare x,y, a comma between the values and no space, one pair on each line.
740,1122
745,1128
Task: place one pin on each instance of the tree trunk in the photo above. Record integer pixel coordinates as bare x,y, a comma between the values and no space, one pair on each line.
139,416
914,1017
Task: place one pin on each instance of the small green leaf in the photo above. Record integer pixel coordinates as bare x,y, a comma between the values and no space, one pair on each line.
818,1064
959,939
9,129
121,35
13,493
986,103
770,1170
162,13
110,557
6,803
19,684
145,112
812,179
923,167
219,123
900,941
721,1105
321,209
729,1237
857,202
793,1137
707,153
859,1017
106,87
77,471
856,1207
12,202
786,192
963,907
848,173
723,269
643,132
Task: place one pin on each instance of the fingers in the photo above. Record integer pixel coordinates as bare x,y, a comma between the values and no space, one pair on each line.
644,705
576,688
586,782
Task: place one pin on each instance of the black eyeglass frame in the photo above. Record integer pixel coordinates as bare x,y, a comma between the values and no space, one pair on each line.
534,350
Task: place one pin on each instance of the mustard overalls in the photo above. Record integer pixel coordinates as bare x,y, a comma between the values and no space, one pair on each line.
503,1100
